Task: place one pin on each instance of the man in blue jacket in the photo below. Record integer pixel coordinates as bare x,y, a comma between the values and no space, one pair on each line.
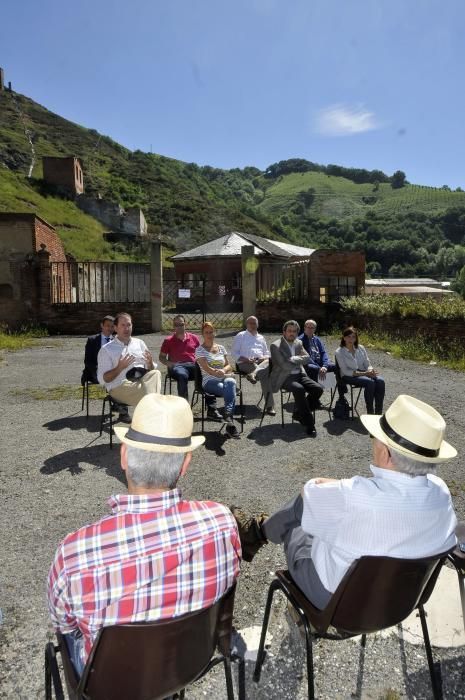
320,362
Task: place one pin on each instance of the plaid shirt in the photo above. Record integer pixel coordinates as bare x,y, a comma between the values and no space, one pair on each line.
155,557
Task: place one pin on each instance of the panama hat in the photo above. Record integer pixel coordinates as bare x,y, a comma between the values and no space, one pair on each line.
161,424
412,428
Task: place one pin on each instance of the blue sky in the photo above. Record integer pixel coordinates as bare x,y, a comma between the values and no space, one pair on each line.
230,83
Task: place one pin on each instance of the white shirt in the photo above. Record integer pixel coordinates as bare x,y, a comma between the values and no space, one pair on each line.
109,355
246,344
390,514
349,363
103,340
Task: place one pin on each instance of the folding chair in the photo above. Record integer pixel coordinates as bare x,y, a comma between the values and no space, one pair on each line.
355,391
111,406
199,391
284,396
148,661
375,593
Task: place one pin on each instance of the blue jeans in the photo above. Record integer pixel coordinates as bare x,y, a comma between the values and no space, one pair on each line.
373,389
223,387
75,642
182,373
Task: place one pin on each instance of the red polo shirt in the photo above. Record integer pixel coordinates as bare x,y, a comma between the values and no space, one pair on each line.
180,350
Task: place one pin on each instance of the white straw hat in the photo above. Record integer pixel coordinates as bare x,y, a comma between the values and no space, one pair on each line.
161,424
412,428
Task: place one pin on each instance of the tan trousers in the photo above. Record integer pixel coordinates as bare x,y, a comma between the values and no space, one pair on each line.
132,392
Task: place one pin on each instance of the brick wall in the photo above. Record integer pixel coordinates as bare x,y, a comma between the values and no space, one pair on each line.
79,319
65,173
44,234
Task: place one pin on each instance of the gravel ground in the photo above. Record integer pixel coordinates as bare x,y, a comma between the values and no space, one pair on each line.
57,474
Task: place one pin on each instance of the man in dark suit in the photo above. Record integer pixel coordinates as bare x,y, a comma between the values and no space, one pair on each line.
93,345
288,357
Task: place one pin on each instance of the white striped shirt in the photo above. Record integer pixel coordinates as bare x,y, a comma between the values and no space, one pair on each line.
390,514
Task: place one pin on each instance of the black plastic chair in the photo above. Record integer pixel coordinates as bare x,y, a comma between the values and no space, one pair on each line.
199,391
459,565
168,380
375,593
342,387
148,661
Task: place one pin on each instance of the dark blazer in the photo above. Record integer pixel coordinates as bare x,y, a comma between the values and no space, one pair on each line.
281,364
93,345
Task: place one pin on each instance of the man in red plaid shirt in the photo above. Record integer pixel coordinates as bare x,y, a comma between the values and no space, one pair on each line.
157,555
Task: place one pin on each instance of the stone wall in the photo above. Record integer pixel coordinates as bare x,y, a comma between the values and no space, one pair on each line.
449,332
84,319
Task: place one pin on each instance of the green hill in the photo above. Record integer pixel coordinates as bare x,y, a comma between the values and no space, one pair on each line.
404,230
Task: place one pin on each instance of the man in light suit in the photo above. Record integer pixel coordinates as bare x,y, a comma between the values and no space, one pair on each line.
288,358
93,345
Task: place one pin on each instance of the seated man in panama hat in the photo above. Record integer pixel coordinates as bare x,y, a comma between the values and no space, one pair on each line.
403,510
157,555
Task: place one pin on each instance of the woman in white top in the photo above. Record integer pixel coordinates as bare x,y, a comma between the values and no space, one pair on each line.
355,369
217,374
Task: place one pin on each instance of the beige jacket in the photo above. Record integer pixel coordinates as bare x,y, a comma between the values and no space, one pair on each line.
281,362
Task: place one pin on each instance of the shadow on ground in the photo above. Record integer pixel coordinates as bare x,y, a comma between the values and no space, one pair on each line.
75,422
100,456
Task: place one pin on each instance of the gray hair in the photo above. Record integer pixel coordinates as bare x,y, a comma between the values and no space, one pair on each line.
411,466
251,318
154,469
291,323
310,320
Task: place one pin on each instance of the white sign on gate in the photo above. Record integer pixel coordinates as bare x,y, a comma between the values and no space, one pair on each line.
184,293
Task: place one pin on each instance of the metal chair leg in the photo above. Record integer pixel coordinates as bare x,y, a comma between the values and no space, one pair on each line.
87,399
266,617
309,657
83,394
52,673
435,673
228,675
111,423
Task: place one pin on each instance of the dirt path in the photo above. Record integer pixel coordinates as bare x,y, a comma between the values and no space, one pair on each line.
56,474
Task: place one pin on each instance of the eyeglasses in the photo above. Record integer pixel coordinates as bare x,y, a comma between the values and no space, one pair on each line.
178,325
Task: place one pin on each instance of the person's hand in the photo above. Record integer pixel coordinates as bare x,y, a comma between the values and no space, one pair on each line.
372,372
296,360
322,373
124,362
148,359
323,480
220,373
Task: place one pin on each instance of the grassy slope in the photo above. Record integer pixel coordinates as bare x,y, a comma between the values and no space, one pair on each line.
341,198
185,204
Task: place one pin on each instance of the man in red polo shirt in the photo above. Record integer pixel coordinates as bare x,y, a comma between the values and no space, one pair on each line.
178,354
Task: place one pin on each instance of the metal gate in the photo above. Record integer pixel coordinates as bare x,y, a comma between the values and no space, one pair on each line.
217,301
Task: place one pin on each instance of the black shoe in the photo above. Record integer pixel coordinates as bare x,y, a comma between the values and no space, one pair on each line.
232,431
311,431
250,532
214,414
270,411
124,418
228,419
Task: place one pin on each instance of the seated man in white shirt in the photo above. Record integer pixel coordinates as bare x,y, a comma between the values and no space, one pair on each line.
126,366
404,510
252,357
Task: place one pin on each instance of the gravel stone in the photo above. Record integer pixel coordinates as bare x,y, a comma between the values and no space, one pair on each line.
57,474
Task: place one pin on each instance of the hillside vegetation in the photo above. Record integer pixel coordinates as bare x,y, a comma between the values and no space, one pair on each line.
404,229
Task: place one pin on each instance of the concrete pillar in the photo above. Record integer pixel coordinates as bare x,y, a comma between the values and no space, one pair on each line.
43,283
249,290
156,286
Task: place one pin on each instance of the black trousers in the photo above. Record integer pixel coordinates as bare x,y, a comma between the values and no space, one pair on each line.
306,394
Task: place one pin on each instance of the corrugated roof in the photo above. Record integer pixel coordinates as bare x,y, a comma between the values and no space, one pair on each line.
230,246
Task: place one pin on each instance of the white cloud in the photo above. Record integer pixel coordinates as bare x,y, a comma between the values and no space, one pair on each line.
343,120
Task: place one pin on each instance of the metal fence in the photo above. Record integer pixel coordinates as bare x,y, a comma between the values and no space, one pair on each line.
218,301
84,282
286,283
